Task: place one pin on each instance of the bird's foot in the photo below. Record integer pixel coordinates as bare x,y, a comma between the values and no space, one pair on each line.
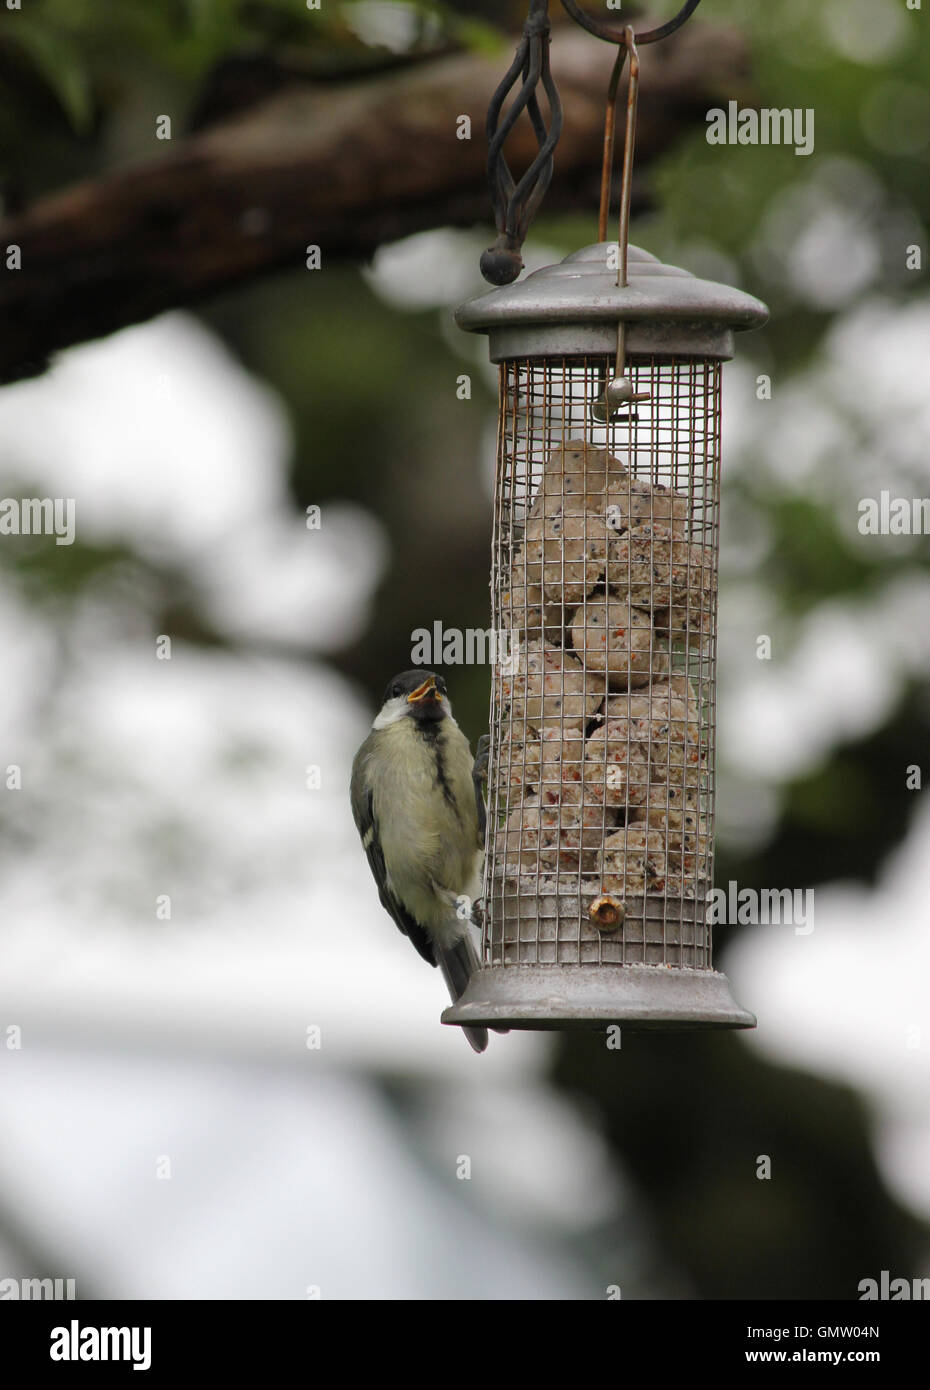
482,755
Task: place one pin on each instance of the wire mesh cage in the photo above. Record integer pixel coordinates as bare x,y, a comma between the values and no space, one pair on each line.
604,583
604,593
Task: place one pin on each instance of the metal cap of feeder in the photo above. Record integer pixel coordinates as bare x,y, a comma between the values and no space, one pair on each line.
573,309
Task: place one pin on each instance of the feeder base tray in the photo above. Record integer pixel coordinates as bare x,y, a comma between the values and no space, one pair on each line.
582,996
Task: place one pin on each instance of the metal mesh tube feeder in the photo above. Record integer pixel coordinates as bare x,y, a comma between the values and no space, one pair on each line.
604,575
604,580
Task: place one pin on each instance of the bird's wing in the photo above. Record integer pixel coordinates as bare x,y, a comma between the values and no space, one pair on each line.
363,812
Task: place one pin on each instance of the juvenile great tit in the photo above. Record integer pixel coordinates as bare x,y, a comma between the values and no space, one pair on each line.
419,810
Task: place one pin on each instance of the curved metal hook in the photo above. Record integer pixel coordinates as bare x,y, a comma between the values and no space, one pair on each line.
603,31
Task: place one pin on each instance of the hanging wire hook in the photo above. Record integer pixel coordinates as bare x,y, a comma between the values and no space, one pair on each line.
629,43
604,31
610,126
619,391
629,145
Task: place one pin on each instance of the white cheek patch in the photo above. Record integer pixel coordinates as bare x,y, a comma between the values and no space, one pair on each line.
393,711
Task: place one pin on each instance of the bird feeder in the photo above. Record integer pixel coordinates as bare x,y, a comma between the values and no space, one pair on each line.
600,835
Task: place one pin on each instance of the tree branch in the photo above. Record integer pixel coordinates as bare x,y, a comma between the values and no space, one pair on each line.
343,167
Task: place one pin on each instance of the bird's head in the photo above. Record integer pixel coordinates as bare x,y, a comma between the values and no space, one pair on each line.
419,695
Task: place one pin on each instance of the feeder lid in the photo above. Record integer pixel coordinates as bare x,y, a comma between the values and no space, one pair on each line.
572,309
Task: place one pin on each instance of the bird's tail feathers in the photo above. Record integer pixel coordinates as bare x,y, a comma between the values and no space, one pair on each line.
458,962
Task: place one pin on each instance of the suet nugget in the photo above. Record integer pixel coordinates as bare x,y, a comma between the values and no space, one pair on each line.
636,570
690,627
602,762
654,715
561,762
652,569
523,611
670,885
555,835
649,503
615,767
611,637
679,763
581,479
519,754
638,860
690,857
577,478
419,811
664,806
665,702
550,687
677,687
563,557
622,869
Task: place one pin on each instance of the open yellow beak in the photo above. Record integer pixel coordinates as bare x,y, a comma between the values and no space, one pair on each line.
426,691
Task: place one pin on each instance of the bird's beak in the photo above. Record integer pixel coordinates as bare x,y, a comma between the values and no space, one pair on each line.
426,691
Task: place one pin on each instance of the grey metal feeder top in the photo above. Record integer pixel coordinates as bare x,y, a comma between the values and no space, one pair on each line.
572,309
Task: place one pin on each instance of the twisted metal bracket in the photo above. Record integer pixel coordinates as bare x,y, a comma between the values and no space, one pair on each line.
515,204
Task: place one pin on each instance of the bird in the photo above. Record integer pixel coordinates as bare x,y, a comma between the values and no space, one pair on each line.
417,804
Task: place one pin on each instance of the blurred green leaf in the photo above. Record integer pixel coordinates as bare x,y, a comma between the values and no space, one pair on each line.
61,66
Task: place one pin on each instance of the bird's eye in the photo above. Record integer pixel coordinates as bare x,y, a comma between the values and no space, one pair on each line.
395,691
